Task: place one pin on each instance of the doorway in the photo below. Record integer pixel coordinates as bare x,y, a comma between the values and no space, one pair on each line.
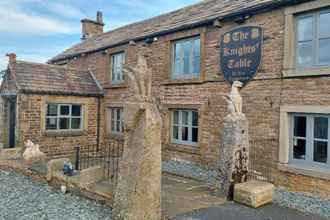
12,122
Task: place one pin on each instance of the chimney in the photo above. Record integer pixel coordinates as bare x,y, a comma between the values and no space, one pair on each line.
92,28
12,57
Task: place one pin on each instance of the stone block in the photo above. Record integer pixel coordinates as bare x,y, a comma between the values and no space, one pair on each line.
253,193
10,153
55,165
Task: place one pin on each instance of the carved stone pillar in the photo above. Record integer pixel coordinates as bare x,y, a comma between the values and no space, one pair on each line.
234,154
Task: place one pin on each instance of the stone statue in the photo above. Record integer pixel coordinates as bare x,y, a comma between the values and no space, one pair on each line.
32,153
234,148
138,191
234,99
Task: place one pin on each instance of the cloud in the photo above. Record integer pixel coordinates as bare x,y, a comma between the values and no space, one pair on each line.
14,20
65,10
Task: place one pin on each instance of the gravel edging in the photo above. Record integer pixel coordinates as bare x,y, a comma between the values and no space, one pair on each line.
302,202
190,171
23,198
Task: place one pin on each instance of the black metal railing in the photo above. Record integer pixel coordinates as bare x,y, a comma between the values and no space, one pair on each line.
107,156
261,161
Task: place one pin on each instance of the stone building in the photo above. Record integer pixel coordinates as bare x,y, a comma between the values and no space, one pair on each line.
286,102
54,106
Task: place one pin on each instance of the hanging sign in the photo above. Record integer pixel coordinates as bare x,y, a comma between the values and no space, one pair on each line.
240,53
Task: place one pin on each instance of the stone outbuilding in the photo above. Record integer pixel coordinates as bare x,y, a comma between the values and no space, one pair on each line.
54,106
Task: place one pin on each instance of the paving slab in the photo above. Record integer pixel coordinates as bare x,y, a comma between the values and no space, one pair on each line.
181,195
234,211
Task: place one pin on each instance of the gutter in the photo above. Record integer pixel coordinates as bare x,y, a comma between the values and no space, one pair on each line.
253,10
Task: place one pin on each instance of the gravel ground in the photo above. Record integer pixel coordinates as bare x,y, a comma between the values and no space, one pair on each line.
22,198
302,202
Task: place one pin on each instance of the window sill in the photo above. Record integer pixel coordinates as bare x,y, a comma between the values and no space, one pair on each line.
190,149
118,137
320,173
313,71
116,85
183,81
63,133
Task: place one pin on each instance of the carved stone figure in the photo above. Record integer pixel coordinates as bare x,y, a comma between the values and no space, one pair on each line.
138,191
234,99
32,153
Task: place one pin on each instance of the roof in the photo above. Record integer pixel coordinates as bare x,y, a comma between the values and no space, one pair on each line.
188,17
53,79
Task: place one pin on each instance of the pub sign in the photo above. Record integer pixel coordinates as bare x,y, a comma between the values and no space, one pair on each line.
240,53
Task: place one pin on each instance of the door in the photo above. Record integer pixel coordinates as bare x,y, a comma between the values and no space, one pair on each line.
12,123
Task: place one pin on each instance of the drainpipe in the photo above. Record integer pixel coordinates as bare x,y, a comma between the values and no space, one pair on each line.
98,108
98,123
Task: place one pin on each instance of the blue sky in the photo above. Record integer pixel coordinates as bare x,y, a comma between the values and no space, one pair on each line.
36,30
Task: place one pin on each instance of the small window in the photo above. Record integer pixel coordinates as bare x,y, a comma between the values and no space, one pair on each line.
310,139
185,127
63,117
116,120
117,63
313,39
186,58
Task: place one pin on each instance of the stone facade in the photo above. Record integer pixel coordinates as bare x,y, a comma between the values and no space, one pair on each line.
261,94
31,114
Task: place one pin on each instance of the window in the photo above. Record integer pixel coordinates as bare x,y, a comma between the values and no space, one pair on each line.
185,127
64,117
313,39
186,58
116,120
310,139
117,62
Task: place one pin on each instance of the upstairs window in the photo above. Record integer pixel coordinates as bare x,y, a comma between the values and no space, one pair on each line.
313,39
185,127
117,63
186,58
63,117
310,139
116,120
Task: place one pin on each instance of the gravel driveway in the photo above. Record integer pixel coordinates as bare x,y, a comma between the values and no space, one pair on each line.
22,198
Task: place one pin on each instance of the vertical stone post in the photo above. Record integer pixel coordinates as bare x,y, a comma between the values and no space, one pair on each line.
234,148
138,192
234,154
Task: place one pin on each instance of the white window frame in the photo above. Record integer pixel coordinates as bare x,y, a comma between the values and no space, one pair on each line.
180,126
59,116
119,69
192,40
309,161
315,38
113,112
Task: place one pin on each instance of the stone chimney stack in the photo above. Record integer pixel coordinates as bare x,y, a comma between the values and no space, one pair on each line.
92,28
12,57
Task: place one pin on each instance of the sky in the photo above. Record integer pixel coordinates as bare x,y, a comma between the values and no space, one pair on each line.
37,30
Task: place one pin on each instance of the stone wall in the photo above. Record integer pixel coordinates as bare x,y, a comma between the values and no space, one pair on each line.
32,123
263,96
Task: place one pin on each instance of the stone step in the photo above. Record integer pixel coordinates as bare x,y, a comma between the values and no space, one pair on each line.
253,193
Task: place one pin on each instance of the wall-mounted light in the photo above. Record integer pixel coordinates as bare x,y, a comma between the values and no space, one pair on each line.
217,23
149,40
241,19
